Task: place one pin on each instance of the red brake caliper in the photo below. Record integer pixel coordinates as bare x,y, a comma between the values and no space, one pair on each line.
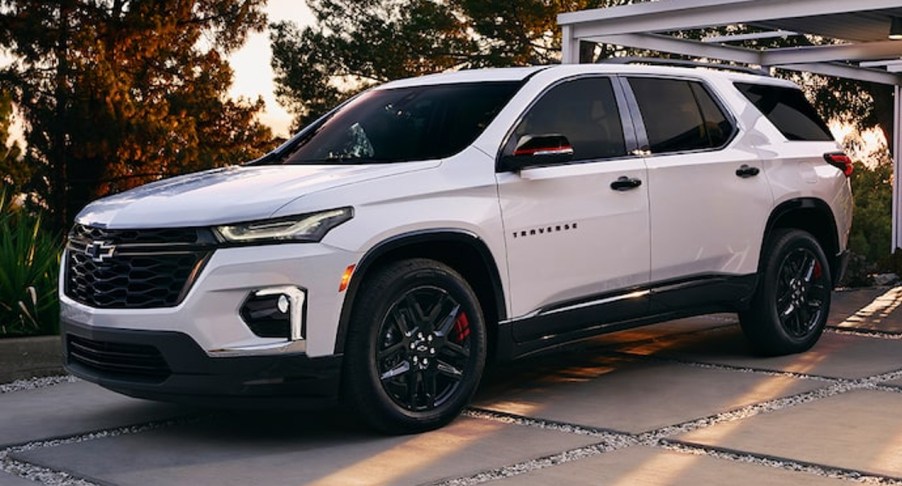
461,328
817,270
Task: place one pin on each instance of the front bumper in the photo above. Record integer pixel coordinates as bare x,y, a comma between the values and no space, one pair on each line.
170,366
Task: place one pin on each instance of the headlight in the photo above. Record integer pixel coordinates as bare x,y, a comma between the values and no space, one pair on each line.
302,228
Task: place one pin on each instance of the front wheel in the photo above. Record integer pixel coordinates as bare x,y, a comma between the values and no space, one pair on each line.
790,308
416,347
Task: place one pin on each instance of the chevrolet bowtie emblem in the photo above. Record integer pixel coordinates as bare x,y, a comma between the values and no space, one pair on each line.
98,251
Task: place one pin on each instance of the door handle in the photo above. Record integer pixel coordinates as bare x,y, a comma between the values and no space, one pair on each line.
625,183
745,171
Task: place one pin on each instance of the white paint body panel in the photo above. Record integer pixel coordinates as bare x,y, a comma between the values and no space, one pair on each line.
598,239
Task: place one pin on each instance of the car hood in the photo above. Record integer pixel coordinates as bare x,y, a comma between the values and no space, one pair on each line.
227,195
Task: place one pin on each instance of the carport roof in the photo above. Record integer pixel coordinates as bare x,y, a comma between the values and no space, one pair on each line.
860,29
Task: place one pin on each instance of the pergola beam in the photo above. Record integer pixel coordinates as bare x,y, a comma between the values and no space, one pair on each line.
673,15
657,42
845,71
847,52
774,34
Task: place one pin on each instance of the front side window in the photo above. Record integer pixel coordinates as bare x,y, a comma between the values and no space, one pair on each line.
583,110
680,115
402,124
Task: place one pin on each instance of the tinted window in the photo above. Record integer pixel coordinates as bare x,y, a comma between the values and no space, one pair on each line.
403,124
788,110
679,115
584,111
717,127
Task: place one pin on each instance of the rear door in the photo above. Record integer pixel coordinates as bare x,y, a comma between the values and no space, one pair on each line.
574,235
708,197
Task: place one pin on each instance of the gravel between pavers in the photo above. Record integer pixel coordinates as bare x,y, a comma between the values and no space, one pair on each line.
34,383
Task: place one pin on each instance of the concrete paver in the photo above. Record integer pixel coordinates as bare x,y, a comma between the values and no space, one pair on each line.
72,408
10,480
858,430
835,355
870,309
663,330
608,382
846,303
644,466
629,396
242,449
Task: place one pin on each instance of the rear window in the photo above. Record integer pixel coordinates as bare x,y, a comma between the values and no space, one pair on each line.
788,110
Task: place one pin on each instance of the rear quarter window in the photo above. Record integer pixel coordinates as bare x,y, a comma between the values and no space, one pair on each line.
788,110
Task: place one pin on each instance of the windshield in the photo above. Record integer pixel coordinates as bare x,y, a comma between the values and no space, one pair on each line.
402,124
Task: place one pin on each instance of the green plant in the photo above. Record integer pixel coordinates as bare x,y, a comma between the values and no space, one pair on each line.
29,266
872,219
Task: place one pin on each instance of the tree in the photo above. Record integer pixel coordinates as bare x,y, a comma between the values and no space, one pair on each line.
116,93
355,44
12,172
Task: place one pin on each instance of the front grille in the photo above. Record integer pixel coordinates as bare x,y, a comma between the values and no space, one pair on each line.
134,269
133,360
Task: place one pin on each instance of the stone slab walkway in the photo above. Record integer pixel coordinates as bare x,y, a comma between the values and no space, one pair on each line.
681,403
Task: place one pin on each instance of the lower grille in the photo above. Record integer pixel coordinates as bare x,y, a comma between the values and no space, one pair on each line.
118,359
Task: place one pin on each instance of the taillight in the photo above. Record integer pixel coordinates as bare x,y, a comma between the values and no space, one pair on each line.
841,161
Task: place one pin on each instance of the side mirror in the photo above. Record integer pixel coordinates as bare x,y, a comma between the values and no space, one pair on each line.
534,150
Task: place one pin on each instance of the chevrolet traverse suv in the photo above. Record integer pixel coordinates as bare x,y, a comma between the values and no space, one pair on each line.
388,250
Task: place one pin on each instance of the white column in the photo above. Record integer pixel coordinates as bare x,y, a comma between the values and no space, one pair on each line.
897,168
569,46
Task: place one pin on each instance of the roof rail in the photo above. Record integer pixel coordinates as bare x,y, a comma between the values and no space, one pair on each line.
657,61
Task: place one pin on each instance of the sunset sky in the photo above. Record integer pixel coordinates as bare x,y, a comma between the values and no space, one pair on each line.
253,73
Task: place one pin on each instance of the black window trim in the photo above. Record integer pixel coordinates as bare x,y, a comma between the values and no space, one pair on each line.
642,135
628,126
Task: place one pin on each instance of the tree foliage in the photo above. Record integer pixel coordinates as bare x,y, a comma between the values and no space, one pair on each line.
355,44
12,172
116,93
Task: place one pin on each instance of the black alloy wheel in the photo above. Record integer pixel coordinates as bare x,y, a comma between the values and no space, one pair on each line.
800,292
423,349
416,347
789,310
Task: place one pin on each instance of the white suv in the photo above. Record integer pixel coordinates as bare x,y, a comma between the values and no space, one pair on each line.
392,247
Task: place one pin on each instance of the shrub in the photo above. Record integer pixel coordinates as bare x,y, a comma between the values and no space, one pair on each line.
872,192
29,266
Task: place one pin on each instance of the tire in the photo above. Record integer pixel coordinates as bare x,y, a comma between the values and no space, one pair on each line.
416,347
790,307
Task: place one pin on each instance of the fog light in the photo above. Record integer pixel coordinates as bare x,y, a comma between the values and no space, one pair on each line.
276,312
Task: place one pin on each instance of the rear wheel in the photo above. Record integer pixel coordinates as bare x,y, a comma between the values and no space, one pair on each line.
790,308
416,347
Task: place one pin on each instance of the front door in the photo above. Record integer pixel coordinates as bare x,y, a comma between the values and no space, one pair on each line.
577,232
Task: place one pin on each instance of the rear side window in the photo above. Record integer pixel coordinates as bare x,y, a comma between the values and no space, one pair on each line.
680,115
583,110
788,110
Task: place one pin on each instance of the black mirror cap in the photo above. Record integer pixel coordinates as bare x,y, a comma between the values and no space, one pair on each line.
533,150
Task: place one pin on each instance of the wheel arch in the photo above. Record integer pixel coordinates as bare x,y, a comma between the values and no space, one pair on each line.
462,250
813,216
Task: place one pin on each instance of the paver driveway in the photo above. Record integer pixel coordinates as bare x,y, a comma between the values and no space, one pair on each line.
679,403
